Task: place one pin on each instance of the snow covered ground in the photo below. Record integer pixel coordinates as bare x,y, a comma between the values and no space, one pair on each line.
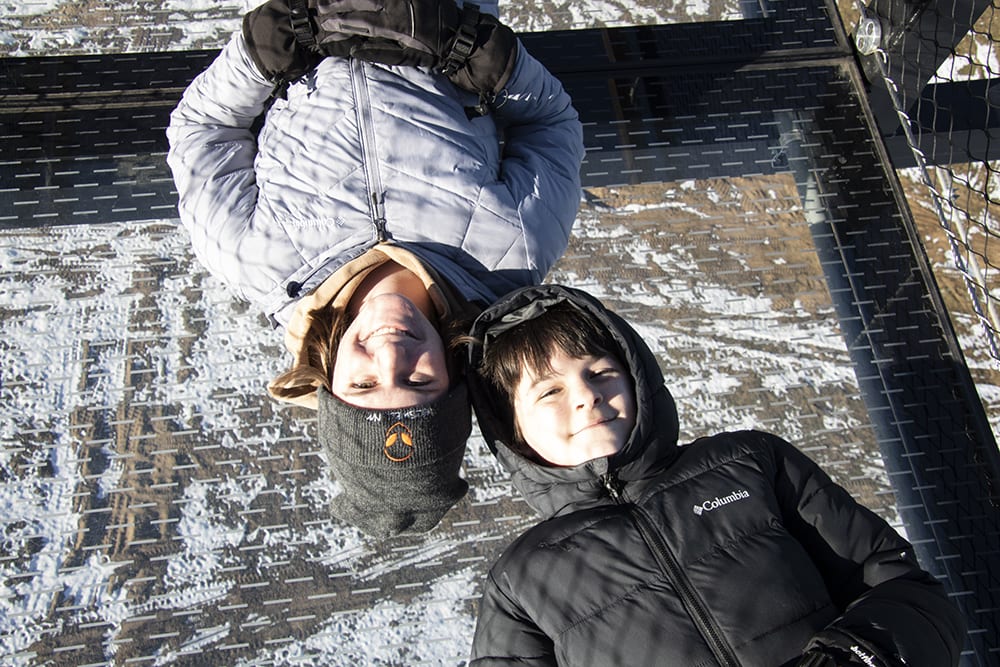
157,508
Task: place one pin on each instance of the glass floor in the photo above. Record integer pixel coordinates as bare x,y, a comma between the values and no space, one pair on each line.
160,509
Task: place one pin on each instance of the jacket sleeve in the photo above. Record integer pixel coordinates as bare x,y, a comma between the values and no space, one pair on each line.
505,635
891,607
211,154
543,151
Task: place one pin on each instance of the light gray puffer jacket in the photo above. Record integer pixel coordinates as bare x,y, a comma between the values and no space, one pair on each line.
360,153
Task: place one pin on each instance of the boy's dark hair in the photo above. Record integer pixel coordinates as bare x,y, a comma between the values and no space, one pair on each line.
529,346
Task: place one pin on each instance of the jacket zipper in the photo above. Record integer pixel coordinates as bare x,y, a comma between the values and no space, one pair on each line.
706,624
613,486
668,563
369,156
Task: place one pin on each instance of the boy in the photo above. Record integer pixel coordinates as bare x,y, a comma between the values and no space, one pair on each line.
733,550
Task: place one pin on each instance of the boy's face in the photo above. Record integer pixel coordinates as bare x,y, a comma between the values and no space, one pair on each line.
584,409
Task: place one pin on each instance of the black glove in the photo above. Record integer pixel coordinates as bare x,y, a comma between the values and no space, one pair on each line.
481,59
281,38
271,42
836,656
474,50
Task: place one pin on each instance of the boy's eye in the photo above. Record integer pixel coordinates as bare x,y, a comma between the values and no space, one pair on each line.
546,393
606,366
363,384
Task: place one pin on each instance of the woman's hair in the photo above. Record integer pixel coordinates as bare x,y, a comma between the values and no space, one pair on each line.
529,346
320,347
320,352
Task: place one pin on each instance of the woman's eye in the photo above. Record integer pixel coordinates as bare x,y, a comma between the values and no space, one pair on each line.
417,383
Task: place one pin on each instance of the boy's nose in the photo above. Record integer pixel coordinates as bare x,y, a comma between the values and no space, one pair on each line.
587,396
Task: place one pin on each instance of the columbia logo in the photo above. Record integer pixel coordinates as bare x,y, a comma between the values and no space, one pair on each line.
716,503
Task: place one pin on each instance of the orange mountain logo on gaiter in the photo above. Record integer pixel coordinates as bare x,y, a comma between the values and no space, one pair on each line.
398,443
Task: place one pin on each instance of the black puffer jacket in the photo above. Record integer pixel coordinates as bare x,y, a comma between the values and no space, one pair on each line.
733,550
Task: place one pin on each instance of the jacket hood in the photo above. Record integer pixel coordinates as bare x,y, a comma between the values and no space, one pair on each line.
553,490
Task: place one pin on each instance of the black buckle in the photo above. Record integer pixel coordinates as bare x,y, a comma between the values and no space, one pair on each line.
465,40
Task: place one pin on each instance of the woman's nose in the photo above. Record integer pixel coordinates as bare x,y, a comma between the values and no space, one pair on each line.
389,356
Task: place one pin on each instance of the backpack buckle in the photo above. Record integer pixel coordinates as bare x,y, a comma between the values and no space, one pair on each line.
465,40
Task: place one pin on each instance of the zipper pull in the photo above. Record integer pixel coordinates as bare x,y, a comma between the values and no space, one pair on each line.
613,485
378,206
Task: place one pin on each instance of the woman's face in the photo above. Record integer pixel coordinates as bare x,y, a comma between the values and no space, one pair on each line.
391,356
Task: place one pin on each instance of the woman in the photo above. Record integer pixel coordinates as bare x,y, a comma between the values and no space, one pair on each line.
374,213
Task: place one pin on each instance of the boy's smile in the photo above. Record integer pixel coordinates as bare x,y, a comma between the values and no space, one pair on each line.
583,409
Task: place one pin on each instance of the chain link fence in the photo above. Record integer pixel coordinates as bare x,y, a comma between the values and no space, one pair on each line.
931,66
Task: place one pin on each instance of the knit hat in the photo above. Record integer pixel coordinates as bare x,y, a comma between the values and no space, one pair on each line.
398,468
